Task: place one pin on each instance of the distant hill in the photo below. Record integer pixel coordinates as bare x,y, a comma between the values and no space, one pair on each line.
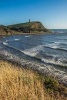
28,27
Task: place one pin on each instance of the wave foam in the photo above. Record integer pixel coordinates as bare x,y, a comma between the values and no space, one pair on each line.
33,51
5,43
52,61
53,45
16,39
56,45
30,52
27,36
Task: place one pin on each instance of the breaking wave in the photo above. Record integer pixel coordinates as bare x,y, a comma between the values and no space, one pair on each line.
33,51
57,46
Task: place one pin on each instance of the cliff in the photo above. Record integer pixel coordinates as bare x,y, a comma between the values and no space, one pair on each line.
28,27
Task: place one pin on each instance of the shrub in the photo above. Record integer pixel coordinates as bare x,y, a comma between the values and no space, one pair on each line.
51,83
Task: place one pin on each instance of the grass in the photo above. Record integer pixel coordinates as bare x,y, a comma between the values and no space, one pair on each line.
17,83
24,24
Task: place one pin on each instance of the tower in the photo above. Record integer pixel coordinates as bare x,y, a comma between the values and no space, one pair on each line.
29,20
29,26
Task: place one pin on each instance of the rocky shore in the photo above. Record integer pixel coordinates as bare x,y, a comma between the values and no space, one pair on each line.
39,67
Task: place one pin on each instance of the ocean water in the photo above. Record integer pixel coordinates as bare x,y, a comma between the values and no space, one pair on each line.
44,52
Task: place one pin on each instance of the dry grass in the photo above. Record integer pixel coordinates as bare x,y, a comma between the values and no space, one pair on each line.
21,84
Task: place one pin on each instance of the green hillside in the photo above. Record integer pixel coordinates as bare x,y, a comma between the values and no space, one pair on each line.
28,27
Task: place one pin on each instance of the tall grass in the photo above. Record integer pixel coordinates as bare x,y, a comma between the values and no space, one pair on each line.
17,83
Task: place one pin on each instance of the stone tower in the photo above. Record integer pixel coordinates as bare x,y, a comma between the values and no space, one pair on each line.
29,20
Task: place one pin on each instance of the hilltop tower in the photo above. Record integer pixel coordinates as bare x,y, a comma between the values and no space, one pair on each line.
29,20
29,27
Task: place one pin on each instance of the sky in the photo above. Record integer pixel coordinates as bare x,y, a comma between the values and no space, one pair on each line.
52,13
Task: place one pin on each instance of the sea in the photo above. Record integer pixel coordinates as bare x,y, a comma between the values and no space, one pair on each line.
46,53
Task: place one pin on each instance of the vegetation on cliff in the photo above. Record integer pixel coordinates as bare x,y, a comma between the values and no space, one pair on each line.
28,27
17,83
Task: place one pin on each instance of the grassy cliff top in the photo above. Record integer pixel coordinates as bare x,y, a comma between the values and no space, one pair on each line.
17,83
25,24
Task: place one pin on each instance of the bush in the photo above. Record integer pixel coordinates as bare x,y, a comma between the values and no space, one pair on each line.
51,83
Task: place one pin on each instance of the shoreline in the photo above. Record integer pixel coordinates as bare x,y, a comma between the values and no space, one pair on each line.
42,70
26,34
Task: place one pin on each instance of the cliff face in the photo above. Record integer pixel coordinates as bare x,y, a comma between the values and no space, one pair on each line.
2,30
29,27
